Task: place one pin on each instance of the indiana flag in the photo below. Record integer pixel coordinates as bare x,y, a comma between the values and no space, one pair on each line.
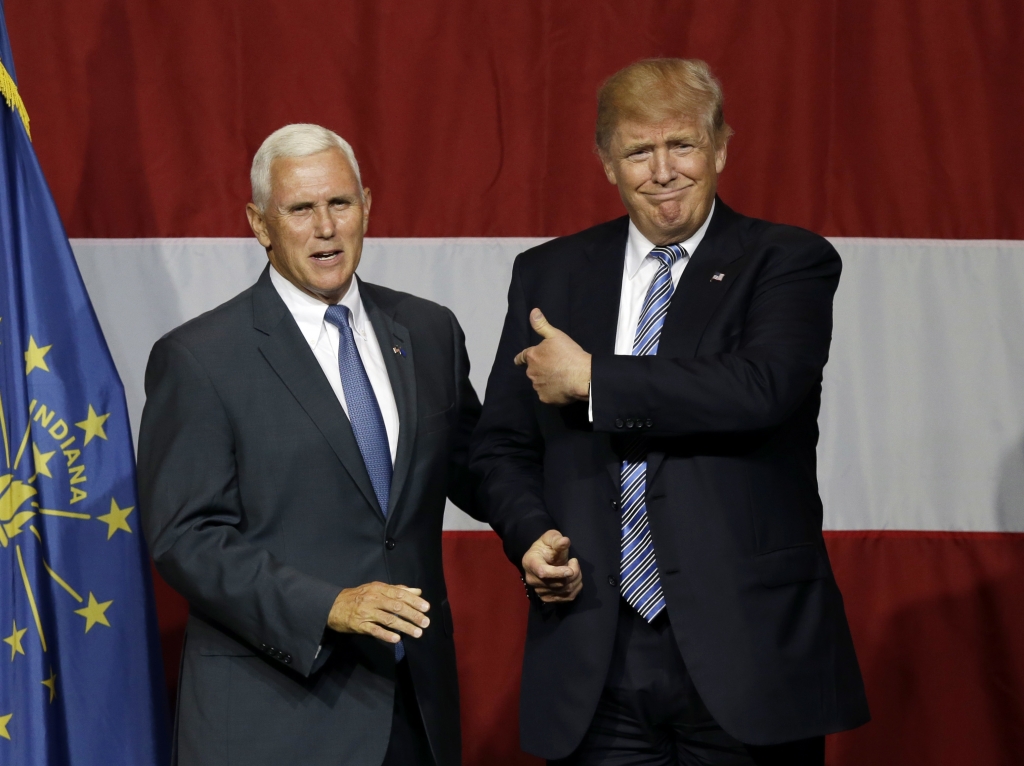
81,680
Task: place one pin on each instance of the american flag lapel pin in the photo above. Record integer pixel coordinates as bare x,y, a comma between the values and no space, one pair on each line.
398,350
718,277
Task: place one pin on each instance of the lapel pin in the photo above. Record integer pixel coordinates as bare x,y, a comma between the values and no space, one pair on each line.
398,350
719,276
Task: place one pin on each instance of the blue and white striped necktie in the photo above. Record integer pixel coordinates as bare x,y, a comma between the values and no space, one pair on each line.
641,586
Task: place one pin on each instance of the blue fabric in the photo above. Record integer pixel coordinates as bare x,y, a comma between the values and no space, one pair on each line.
363,410
364,415
81,677
641,586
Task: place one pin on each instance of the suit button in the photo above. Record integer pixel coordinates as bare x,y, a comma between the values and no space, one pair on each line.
287,659
630,423
650,423
389,544
619,423
615,503
613,581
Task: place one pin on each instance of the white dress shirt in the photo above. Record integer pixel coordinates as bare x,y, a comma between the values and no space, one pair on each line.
323,339
637,274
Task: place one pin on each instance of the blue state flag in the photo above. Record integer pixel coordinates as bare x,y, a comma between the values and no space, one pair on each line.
81,678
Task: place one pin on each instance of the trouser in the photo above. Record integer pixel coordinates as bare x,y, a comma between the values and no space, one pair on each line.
408,745
650,713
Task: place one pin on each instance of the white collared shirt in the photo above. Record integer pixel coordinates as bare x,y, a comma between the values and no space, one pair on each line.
637,274
323,339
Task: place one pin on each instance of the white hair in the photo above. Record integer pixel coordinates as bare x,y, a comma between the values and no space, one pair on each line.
298,140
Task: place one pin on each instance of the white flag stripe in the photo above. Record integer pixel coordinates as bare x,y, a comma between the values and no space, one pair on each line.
922,422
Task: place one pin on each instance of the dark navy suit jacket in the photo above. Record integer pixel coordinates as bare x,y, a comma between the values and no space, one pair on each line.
730,403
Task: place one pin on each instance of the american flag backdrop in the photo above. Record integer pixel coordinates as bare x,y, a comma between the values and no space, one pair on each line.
891,126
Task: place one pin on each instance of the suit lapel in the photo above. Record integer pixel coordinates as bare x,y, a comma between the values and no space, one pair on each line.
699,294
594,314
595,292
287,352
402,373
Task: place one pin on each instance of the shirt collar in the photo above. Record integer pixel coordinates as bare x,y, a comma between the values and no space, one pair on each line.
638,247
309,312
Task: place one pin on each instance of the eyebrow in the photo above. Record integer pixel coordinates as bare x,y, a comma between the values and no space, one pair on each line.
309,203
675,138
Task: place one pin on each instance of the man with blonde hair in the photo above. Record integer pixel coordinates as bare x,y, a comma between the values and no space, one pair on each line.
297,446
647,454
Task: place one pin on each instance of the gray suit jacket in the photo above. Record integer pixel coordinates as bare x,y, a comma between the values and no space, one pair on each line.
258,508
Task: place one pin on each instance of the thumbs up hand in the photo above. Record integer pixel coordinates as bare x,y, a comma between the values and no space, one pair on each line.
558,368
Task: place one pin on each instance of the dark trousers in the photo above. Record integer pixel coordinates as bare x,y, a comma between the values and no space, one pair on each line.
650,713
408,745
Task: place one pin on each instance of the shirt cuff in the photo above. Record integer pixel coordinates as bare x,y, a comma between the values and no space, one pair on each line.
590,401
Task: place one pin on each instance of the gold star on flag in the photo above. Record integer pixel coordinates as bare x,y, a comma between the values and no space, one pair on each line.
34,357
93,425
116,519
15,640
42,460
94,613
4,720
51,684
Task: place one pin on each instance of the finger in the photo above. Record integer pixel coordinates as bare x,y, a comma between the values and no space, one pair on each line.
521,359
405,611
547,572
407,596
574,565
413,591
555,539
395,623
375,630
541,325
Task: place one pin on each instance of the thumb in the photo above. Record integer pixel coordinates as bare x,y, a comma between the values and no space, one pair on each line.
541,325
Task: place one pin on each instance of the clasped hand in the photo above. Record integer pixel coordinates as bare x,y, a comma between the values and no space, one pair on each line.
378,609
557,366
548,569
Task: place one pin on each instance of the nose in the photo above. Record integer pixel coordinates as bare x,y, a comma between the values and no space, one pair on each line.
323,222
662,170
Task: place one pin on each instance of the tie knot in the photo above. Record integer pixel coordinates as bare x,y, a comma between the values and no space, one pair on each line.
338,315
668,254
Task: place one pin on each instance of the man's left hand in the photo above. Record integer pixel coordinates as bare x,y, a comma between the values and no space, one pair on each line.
558,367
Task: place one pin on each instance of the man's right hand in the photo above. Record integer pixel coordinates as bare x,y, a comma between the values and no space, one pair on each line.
548,569
377,606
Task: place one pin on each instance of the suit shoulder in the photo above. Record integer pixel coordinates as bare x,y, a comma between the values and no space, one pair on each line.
564,252
220,324
411,308
763,233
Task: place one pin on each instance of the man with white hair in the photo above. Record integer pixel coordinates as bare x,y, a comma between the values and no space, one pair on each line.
296,450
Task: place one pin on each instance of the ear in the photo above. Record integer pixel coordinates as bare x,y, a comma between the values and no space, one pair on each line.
721,152
609,167
367,201
258,224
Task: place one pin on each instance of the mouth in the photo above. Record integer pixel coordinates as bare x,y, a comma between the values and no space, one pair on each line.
665,194
324,256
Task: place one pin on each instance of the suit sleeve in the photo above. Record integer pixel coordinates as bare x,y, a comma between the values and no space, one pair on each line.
508,449
191,513
461,486
782,350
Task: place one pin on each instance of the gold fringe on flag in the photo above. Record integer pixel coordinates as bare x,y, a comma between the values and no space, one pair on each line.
13,98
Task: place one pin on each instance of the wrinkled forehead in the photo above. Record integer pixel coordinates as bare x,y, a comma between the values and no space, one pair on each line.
646,129
326,172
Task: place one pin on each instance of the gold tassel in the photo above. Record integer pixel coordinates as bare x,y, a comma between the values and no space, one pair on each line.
13,98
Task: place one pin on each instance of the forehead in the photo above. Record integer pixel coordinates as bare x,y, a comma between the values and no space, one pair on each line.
633,131
325,173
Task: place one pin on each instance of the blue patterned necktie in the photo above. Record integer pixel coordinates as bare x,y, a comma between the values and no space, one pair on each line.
641,586
364,415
